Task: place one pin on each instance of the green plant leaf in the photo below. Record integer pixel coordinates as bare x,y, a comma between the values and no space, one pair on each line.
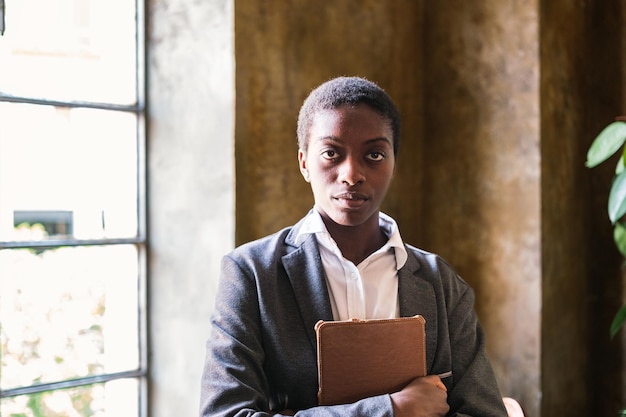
619,168
610,139
619,235
618,321
617,198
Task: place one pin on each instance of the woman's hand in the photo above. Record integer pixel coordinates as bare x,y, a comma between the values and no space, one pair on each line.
423,397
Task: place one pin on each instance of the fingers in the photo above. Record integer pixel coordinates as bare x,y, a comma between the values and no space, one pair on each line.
436,381
421,398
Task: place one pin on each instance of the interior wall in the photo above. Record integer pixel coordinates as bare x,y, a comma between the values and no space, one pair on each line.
581,86
191,188
565,286
482,179
283,51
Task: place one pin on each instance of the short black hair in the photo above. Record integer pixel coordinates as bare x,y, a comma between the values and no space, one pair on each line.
352,91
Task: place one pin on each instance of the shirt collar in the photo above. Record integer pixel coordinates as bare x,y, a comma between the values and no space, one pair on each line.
313,224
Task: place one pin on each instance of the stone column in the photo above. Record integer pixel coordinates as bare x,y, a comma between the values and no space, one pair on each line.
581,87
482,178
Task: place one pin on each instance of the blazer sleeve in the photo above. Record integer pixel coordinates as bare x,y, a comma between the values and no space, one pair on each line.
234,379
474,390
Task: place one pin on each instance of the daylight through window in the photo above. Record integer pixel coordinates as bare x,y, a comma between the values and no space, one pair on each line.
72,204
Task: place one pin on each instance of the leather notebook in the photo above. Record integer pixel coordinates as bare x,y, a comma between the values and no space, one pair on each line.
357,359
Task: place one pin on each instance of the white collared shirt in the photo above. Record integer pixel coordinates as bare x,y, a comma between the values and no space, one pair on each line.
365,291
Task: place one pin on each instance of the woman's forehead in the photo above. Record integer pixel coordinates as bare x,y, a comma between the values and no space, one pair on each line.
347,113
361,125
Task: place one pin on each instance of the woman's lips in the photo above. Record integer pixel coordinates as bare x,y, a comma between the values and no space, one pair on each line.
351,200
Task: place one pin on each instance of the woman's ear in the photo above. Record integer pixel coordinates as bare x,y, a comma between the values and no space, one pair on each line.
302,162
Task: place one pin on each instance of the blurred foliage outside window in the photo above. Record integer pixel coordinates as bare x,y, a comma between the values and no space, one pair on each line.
72,245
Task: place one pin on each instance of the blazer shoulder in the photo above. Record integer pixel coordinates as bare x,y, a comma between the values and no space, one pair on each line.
260,247
435,268
268,248
429,260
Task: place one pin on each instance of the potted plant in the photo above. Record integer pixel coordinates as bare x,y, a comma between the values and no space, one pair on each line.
611,140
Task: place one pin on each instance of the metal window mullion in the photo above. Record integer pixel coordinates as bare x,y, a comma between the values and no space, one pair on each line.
142,198
2,20
72,383
140,57
74,104
50,244
142,327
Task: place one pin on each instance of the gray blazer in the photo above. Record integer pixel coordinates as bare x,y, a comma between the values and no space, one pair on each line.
261,355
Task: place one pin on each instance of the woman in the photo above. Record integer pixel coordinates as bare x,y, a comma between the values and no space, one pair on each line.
344,259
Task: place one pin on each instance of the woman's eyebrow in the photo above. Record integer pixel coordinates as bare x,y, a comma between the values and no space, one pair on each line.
330,138
380,139
367,142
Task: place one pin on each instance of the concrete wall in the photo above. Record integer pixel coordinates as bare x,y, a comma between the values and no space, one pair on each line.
581,92
191,188
482,179
285,49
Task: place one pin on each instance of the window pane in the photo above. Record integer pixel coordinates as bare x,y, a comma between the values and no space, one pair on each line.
69,50
71,173
112,399
67,313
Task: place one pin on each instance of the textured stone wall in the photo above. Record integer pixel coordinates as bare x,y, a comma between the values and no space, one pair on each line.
482,179
285,49
581,92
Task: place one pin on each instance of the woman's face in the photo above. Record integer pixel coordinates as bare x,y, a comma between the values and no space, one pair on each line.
349,163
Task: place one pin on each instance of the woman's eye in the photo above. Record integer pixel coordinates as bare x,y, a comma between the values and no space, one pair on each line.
329,154
376,156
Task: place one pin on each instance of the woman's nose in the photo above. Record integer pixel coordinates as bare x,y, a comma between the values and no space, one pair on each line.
351,172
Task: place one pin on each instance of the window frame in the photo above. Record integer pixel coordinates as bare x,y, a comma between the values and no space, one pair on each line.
140,241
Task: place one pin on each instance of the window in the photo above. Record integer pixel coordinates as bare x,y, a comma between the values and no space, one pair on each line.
72,209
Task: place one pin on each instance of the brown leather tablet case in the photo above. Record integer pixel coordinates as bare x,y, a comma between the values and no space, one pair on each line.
357,359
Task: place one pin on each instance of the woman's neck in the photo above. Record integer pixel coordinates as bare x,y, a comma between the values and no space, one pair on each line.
357,242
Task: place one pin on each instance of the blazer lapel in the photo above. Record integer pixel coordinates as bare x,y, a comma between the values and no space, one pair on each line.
306,274
418,297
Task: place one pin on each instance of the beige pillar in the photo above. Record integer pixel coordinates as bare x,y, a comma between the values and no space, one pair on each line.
581,92
482,177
